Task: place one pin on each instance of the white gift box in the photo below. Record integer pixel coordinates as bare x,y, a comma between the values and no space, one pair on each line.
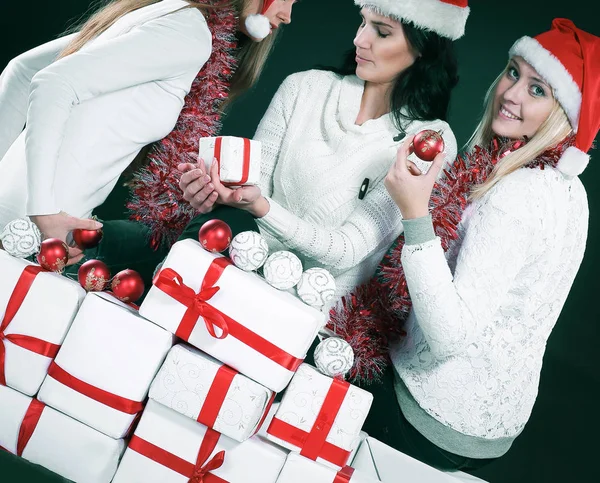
113,349
385,464
320,417
46,313
269,331
239,158
176,441
59,443
202,388
298,469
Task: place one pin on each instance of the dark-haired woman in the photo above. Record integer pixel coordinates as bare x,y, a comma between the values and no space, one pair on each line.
328,135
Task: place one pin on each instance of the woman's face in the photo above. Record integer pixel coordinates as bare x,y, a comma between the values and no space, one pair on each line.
280,11
522,101
382,50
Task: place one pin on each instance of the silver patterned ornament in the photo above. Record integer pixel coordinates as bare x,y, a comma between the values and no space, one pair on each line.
316,287
248,250
21,238
282,270
334,357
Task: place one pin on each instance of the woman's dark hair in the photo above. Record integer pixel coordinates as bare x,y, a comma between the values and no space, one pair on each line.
422,91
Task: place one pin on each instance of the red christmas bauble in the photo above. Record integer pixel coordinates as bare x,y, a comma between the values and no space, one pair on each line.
54,254
215,236
427,145
127,285
87,238
93,276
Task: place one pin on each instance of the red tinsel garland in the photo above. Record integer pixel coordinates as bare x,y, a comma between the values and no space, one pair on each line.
156,199
373,316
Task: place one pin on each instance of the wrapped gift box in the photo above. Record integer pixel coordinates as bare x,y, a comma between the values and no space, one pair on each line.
232,315
46,437
103,371
238,159
298,469
320,417
385,464
36,311
168,447
204,389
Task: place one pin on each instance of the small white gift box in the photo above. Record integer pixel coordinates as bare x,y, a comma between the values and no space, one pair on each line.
103,371
385,464
320,417
47,437
238,158
298,469
36,311
168,447
202,388
233,315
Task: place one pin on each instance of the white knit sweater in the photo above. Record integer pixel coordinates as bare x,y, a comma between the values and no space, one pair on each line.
89,114
315,159
481,318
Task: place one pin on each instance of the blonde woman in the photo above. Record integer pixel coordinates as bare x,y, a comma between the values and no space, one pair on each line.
92,100
485,291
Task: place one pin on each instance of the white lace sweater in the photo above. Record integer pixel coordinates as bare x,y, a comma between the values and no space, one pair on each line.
481,318
315,159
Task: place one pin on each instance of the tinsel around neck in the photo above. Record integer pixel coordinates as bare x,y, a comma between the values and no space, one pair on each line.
373,316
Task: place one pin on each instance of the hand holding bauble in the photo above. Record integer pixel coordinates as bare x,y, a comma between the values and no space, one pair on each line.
127,285
93,276
427,145
85,239
54,255
215,236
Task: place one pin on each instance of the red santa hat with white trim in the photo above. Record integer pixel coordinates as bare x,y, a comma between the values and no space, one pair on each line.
568,59
445,17
258,26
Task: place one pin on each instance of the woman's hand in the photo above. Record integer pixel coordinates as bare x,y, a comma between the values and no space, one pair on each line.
197,187
59,225
408,187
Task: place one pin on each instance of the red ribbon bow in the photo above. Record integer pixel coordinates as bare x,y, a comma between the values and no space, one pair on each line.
201,473
170,282
32,344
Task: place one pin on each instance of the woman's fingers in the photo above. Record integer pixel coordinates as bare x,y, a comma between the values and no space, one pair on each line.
195,187
200,197
436,167
85,224
189,177
413,168
208,204
402,155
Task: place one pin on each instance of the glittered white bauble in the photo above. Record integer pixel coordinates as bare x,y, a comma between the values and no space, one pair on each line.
334,357
248,250
21,238
316,287
282,270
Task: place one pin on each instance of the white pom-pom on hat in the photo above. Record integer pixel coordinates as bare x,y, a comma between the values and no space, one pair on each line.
258,26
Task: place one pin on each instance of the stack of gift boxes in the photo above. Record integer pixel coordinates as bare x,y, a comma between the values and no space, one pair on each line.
97,391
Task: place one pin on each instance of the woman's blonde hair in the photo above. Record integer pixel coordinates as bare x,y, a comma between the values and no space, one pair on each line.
553,130
252,56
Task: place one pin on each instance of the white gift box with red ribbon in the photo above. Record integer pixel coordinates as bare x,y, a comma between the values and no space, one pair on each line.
233,315
238,159
36,311
320,417
104,369
204,389
168,447
298,469
47,437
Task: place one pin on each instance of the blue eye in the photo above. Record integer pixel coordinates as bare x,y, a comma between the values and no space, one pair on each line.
512,73
537,91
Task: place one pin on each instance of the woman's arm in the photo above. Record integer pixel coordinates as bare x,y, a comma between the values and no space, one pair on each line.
15,81
161,49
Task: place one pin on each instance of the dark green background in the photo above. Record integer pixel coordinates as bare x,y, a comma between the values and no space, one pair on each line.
560,443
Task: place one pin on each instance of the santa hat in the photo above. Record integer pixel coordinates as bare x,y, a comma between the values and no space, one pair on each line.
445,17
569,60
258,26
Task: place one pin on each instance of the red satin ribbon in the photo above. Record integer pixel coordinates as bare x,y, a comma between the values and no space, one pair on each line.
28,425
246,161
265,414
32,344
313,444
216,396
109,399
344,475
197,473
170,282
